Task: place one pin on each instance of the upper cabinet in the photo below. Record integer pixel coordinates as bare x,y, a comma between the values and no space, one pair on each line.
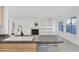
1,15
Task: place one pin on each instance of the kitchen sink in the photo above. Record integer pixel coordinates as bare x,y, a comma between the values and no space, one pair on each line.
19,38
23,35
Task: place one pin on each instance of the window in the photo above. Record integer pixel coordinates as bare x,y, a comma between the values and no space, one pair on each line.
68,25
71,25
61,26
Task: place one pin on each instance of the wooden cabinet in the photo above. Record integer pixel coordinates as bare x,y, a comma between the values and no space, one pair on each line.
1,15
27,47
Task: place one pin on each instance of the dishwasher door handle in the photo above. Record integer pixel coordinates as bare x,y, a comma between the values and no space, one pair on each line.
48,45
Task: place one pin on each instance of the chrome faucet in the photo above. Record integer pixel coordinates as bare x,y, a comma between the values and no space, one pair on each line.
21,30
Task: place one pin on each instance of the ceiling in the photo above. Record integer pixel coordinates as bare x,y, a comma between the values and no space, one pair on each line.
39,11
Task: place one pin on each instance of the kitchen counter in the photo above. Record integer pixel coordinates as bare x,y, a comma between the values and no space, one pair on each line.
31,43
36,39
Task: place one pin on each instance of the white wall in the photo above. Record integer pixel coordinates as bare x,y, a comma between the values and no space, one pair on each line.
4,27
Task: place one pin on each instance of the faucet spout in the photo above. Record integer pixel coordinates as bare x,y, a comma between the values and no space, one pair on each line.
21,30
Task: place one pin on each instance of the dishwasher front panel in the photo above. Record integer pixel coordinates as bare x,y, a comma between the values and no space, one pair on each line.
48,48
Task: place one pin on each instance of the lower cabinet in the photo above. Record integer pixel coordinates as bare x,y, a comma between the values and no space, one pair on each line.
27,47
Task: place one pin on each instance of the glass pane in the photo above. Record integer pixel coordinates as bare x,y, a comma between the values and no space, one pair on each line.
68,25
67,28
61,26
71,25
73,29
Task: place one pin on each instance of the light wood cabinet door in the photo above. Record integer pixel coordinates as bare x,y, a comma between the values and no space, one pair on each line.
27,47
1,15
8,47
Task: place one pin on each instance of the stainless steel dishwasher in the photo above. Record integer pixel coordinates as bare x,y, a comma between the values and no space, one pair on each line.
48,48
